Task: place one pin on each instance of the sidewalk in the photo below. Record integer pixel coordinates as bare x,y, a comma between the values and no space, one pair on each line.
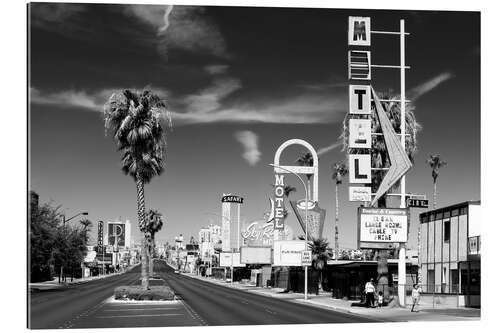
54,284
325,300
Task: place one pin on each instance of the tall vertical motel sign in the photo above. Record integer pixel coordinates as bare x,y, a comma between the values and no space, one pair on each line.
316,215
361,95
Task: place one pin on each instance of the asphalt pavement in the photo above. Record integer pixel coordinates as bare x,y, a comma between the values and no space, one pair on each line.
199,303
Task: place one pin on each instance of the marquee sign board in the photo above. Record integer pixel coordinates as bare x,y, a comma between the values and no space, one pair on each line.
360,169
232,199
360,133
288,253
382,225
360,193
360,97
225,259
359,31
256,255
359,65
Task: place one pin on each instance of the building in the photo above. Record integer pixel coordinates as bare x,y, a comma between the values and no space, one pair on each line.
450,255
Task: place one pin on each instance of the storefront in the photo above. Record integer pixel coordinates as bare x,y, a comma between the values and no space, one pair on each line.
450,255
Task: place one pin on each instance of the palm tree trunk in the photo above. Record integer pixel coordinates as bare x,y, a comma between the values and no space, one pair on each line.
141,213
336,221
151,252
435,193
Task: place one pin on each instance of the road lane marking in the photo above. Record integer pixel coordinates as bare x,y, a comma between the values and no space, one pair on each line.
142,315
147,309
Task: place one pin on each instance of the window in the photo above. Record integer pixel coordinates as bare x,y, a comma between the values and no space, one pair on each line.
430,281
447,214
463,211
446,234
454,212
454,281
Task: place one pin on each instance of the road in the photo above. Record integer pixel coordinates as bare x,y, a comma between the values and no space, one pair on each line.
202,303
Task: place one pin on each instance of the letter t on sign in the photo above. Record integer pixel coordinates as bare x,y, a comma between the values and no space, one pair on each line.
359,99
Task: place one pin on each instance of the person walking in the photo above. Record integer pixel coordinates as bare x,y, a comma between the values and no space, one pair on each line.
380,299
415,296
370,293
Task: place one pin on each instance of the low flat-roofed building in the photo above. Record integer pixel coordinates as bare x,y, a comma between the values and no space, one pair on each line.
450,254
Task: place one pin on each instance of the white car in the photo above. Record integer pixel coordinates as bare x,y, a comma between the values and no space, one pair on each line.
177,271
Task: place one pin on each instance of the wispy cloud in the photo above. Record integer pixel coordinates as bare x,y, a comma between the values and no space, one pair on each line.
429,85
181,27
216,69
212,104
331,147
209,99
250,143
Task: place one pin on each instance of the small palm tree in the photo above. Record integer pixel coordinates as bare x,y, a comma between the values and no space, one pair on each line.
435,162
86,224
319,249
306,159
154,221
135,120
339,170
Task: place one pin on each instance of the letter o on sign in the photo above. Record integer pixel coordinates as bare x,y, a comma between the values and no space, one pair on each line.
279,191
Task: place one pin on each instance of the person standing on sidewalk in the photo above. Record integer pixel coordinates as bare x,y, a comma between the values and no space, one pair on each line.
370,293
415,296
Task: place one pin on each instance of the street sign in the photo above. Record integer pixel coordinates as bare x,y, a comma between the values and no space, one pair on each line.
417,203
306,258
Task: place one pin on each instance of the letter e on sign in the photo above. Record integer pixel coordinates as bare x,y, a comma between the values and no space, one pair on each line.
359,32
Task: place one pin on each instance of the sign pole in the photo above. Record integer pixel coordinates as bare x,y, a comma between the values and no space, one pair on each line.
305,267
402,248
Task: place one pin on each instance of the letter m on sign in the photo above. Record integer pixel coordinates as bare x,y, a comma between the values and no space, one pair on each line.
359,32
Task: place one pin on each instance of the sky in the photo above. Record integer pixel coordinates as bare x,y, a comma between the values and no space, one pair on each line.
238,81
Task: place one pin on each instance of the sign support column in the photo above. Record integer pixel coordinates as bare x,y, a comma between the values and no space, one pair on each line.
402,248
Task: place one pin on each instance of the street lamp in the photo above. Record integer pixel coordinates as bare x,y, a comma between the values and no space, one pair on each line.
64,230
307,210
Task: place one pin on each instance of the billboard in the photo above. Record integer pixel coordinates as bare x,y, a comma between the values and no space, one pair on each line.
382,225
288,253
116,232
232,199
225,259
256,255
360,133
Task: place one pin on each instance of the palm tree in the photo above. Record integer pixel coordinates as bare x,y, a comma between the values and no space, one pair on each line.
380,158
86,224
154,224
339,171
135,120
319,249
306,159
435,162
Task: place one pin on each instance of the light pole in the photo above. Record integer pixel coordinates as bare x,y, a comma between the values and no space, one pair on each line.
307,211
64,230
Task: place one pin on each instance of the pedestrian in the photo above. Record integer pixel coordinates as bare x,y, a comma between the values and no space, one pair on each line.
370,293
380,299
415,296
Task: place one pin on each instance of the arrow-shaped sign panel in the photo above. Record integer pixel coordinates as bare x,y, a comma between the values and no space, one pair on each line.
400,163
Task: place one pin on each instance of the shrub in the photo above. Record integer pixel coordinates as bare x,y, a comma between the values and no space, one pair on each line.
154,293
